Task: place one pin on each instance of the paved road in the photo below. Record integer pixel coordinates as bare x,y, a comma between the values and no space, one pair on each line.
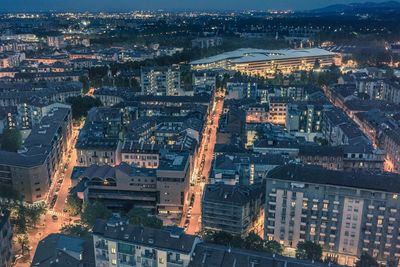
48,224
206,151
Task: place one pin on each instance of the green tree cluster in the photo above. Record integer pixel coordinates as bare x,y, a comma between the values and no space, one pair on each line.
76,230
309,251
139,216
81,105
93,211
252,241
11,140
74,205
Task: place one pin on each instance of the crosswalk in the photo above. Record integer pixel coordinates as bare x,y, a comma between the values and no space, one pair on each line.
57,213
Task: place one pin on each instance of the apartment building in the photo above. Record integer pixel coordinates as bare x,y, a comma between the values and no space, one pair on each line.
346,157
161,81
347,213
304,119
117,243
6,252
162,189
30,170
11,60
232,208
278,107
99,141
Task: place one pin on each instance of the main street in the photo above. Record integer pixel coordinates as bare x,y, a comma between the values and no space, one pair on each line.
55,218
191,219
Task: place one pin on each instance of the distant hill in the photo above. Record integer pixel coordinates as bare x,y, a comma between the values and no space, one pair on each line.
367,7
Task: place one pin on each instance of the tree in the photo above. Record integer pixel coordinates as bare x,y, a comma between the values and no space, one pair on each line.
85,83
253,242
93,211
34,212
11,140
76,230
81,105
273,247
309,251
139,216
366,260
23,241
74,205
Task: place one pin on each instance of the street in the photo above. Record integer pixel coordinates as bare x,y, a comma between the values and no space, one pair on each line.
191,219
55,218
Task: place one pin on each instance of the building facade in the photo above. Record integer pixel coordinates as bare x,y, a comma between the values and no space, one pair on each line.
30,170
161,81
232,208
6,253
116,243
347,213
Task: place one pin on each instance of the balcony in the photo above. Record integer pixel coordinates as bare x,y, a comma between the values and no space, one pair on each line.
101,245
130,263
101,257
174,263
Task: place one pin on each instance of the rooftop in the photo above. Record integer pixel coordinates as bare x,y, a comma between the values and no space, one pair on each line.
159,238
212,255
387,182
244,55
235,195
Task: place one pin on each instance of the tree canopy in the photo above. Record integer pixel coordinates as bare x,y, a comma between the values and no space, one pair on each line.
366,260
252,241
139,216
74,205
309,251
11,140
81,105
93,211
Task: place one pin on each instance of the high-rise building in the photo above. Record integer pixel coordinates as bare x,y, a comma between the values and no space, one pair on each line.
347,213
161,81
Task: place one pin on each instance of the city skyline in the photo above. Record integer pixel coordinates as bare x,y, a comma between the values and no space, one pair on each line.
127,5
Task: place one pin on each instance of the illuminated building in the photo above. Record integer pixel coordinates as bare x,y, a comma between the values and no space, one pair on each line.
267,62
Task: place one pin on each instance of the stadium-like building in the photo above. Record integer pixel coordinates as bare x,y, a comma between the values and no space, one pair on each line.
268,62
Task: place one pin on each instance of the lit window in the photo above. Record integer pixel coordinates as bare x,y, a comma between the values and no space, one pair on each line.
114,262
312,231
379,221
113,250
325,205
395,196
293,204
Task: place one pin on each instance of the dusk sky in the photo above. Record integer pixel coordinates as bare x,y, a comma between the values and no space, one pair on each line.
119,5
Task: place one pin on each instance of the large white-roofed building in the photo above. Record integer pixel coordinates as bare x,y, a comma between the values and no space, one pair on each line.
268,62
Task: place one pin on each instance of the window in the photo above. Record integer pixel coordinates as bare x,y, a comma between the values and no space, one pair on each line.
325,205
379,221
114,262
113,250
